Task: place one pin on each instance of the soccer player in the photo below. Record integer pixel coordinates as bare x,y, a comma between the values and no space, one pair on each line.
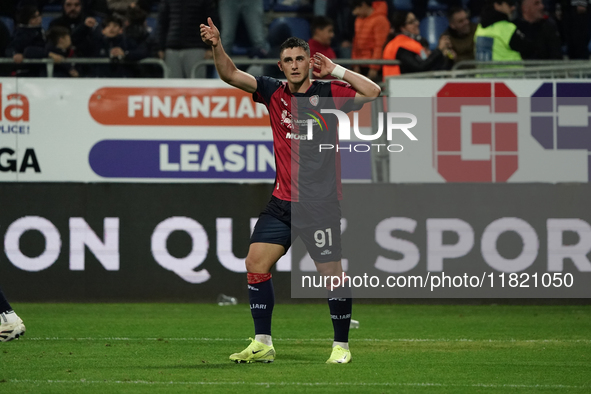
307,184
11,326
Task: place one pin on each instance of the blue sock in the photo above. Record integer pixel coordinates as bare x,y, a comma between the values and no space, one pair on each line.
4,305
262,301
340,313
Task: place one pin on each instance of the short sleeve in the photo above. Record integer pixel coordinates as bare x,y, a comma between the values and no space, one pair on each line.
343,95
266,86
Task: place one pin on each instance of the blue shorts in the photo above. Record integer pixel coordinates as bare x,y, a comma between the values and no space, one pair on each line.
317,223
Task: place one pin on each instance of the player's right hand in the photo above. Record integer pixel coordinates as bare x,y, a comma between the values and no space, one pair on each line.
210,34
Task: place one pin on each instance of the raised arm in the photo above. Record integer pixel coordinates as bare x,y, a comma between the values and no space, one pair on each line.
367,90
223,64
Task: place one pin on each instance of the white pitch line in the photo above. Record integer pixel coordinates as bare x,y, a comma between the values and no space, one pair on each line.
511,340
309,384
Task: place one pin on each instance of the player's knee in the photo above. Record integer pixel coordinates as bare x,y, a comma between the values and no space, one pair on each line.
255,265
329,269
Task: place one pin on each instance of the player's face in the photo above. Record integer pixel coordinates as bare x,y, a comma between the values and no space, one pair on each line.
295,64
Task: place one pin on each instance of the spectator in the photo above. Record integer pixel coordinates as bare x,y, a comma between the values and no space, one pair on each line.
98,8
322,29
371,30
72,15
496,38
461,34
28,40
105,42
139,43
252,15
575,20
104,8
120,7
406,47
344,26
541,31
276,36
4,38
5,69
179,38
59,48
136,35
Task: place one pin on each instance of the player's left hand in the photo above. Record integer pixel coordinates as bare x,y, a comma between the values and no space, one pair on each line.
323,66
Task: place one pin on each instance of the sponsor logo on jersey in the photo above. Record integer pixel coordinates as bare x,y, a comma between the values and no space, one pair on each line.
295,136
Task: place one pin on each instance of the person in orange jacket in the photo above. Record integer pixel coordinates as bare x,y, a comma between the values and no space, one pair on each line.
407,48
371,30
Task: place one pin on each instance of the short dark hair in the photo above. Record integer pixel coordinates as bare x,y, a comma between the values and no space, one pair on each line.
57,32
112,19
399,20
136,16
294,42
454,10
510,2
319,23
26,13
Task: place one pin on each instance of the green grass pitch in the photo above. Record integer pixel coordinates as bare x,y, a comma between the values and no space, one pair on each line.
177,348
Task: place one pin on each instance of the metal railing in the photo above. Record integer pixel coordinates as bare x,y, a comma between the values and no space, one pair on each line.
471,64
266,62
558,70
50,63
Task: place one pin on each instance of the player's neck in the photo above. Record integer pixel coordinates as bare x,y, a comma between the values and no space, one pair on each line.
299,87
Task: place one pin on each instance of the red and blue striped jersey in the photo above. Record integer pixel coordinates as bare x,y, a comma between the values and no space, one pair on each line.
304,173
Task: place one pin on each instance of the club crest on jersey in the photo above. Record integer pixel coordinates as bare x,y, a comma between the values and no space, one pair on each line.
314,100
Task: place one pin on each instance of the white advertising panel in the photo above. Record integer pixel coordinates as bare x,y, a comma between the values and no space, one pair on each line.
494,130
107,130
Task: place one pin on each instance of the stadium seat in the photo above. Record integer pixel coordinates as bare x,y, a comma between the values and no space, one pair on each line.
45,21
292,6
52,8
403,5
299,27
431,28
268,4
435,5
9,22
152,23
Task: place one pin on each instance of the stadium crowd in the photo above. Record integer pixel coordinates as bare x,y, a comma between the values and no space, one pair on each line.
422,35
